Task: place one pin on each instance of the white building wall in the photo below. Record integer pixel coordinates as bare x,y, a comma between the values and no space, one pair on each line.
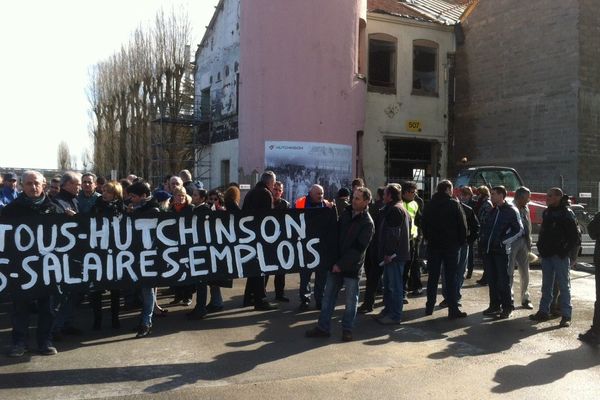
387,114
228,150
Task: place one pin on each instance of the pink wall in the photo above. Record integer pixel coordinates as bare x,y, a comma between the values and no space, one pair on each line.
298,61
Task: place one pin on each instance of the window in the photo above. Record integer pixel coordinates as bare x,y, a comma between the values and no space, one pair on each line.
382,63
225,166
425,71
205,104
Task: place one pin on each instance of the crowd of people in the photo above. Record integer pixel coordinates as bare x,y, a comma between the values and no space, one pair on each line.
384,237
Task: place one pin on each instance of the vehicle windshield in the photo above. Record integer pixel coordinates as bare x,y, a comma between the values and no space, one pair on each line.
490,178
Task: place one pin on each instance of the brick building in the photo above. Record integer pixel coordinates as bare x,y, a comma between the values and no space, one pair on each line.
528,91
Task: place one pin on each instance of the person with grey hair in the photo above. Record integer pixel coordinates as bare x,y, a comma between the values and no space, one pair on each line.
31,202
87,196
66,199
314,199
521,247
259,198
188,184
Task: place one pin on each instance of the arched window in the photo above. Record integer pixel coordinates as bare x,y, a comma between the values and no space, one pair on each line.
382,63
425,68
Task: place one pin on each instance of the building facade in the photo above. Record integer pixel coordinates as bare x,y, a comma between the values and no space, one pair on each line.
322,92
528,92
410,75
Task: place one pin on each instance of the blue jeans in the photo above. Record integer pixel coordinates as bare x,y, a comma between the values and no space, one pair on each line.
332,287
20,321
393,289
216,299
320,279
556,268
148,301
463,259
435,259
499,274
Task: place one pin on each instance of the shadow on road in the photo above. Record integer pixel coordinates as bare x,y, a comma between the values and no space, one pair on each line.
545,370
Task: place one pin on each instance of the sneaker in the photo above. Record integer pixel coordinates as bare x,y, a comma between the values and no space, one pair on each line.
456,314
565,322
48,350
415,293
265,306
143,331
387,320
346,336
505,314
428,310
187,303
590,337
194,315
365,309
211,308
443,304
482,282
16,350
317,332
527,305
539,316
491,311
71,330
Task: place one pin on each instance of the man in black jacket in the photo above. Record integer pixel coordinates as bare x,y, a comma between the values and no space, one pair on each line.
393,252
355,232
445,229
259,198
30,202
592,336
557,239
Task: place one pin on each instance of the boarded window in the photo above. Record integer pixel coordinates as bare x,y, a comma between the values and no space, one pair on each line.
382,63
425,71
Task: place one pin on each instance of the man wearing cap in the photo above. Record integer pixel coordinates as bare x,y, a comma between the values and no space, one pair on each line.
9,189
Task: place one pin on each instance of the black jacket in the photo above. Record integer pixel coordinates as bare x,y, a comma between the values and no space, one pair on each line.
108,208
559,235
259,198
393,232
444,223
355,234
66,201
22,206
472,223
593,230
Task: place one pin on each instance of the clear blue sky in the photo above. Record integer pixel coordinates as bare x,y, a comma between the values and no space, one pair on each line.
48,48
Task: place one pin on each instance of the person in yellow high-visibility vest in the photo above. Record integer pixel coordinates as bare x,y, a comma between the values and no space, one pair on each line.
412,272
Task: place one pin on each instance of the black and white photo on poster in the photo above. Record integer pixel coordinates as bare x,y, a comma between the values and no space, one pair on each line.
301,164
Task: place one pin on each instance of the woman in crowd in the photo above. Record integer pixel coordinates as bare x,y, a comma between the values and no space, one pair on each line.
181,202
109,205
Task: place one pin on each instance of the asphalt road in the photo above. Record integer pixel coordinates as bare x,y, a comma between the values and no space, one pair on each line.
242,354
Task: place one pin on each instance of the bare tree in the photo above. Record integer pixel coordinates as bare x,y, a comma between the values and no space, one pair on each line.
64,156
86,160
147,80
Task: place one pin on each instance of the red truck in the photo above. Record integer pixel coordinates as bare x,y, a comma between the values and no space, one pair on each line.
491,176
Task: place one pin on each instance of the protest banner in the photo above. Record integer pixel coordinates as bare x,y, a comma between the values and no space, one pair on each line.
164,249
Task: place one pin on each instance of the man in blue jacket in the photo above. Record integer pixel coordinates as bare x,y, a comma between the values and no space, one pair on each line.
501,228
9,189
